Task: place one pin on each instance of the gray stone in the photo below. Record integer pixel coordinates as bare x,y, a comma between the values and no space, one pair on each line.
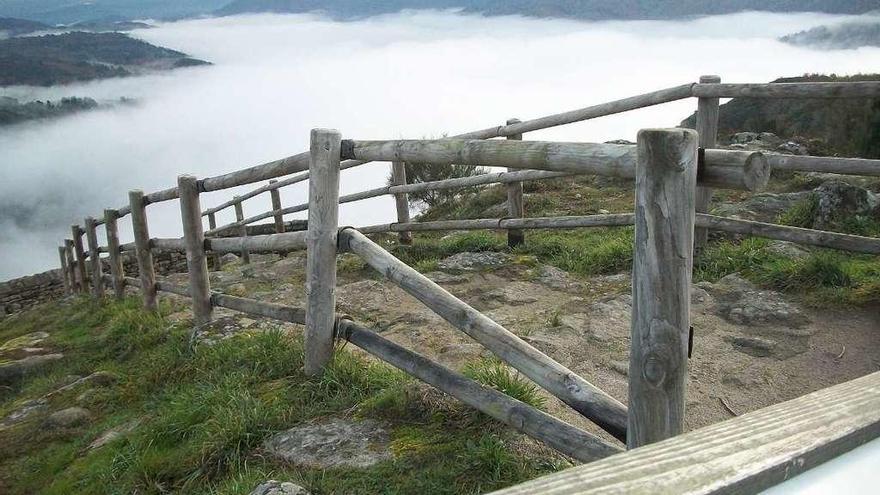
229,258
446,278
793,148
114,434
273,487
66,418
13,370
740,302
24,341
743,137
557,279
471,262
762,207
512,294
334,443
753,346
838,200
26,409
787,249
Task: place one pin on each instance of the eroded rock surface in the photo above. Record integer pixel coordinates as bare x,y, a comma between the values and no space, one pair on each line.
334,443
273,487
469,262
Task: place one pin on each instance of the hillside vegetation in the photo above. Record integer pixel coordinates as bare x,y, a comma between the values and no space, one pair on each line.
78,56
845,127
844,36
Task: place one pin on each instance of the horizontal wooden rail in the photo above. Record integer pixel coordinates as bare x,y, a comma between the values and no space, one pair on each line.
861,89
746,454
582,396
732,169
268,187
556,433
288,241
831,165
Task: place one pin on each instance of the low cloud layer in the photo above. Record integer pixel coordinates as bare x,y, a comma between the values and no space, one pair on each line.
414,74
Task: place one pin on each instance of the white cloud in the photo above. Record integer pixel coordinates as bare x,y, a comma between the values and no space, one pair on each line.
414,74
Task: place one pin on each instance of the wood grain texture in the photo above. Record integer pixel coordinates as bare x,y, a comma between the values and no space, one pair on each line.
196,259
242,231
81,269
65,272
271,186
861,89
731,169
832,165
581,395
71,265
515,203
746,454
707,129
141,232
271,243
556,433
94,257
216,262
321,252
401,200
275,196
117,270
662,263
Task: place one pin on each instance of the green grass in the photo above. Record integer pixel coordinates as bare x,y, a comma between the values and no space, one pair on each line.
205,411
495,374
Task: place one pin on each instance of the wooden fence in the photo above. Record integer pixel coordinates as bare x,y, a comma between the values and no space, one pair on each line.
675,171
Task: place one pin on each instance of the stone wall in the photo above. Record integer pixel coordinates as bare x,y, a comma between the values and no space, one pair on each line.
25,292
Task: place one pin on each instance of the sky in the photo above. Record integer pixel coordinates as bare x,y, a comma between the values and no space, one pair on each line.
420,74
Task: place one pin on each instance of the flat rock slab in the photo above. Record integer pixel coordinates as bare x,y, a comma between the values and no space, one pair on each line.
66,418
333,443
474,262
13,370
24,341
740,302
273,487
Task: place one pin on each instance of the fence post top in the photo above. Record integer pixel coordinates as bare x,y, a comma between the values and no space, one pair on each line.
710,79
513,121
186,178
320,131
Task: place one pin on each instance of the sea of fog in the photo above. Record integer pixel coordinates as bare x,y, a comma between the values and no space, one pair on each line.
409,75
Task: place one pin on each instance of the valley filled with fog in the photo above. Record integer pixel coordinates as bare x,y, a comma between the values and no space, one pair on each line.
408,75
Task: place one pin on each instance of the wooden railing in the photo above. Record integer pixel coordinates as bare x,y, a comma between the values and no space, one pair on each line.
674,170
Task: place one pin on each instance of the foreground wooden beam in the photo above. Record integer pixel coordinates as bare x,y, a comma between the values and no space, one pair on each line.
558,434
859,89
666,178
141,233
729,169
581,395
94,257
321,253
270,243
196,260
826,164
117,270
746,454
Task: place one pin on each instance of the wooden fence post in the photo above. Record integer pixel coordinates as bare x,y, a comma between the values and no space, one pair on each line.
117,270
76,231
239,216
401,200
65,272
707,128
194,238
666,175
276,205
142,248
71,265
515,205
216,262
324,153
95,257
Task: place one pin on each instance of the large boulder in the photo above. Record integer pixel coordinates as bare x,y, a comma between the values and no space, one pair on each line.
335,443
67,418
837,200
14,370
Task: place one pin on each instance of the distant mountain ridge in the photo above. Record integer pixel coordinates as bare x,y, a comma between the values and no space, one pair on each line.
578,9
839,37
72,11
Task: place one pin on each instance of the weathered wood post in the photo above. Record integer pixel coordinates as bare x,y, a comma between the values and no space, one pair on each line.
515,205
401,200
95,257
117,270
194,238
324,152
76,231
276,205
666,174
65,272
216,262
71,265
239,216
142,249
707,128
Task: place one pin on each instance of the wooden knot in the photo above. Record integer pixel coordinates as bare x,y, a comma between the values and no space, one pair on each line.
654,369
